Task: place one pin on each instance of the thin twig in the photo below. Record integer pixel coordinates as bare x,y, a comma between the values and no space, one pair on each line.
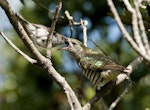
142,28
32,61
71,21
136,33
84,24
70,18
113,105
44,7
41,5
103,102
49,39
99,94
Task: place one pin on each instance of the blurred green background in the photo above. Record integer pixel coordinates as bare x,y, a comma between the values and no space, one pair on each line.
27,87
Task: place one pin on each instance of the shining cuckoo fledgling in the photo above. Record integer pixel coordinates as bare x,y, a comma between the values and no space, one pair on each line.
97,67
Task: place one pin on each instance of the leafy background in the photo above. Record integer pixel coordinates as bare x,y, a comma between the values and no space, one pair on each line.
27,87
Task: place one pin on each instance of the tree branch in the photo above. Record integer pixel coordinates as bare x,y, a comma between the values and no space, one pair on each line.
32,61
113,105
142,28
84,25
49,39
129,69
71,21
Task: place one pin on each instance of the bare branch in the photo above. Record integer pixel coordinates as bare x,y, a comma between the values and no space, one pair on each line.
50,12
49,39
84,25
128,6
129,69
105,106
135,28
142,28
72,99
44,7
113,105
71,21
99,94
32,61
137,47
138,25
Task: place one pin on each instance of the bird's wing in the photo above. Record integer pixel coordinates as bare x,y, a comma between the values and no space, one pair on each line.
99,63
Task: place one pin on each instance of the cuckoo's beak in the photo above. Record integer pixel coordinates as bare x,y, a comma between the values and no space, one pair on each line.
64,48
66,45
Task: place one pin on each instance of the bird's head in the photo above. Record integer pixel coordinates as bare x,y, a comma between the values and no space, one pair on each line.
75,48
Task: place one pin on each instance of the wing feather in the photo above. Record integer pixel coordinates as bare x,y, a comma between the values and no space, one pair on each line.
98,62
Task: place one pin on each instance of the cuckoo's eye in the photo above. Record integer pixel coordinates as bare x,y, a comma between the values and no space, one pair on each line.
74,43
66,42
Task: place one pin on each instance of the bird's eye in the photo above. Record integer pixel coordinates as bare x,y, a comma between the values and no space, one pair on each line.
66,42
43,40
73,43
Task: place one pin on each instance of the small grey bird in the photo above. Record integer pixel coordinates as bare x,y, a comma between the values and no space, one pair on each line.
97,67
39,33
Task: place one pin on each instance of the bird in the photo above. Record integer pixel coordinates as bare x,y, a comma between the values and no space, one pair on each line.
39,33
97,67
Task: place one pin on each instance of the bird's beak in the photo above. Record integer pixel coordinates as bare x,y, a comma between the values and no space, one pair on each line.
66,45
64,48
